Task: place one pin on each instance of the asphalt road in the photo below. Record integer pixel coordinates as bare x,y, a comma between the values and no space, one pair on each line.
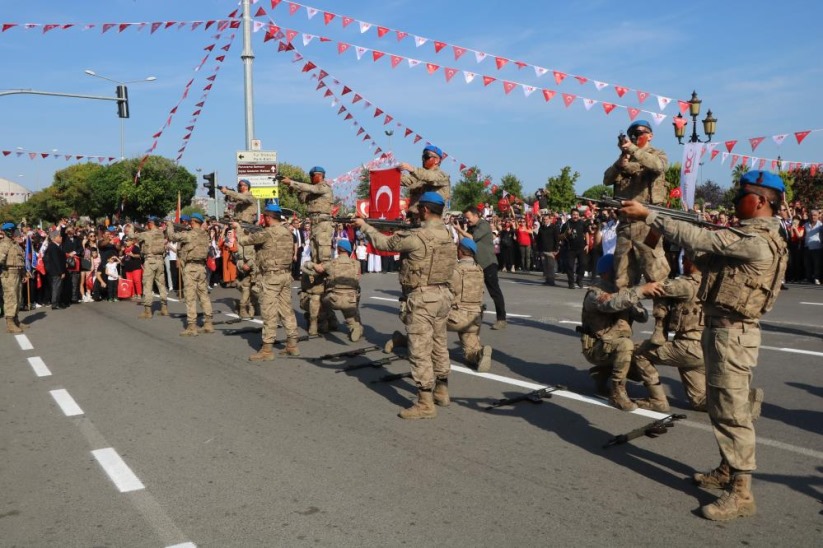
118,432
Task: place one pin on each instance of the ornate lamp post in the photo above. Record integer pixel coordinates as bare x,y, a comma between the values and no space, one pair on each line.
680,123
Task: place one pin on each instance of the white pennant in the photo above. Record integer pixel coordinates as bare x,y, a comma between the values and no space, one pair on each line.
480,56
588,103
540,71
258,25
663,102
784,165
307,38
364,27
140,26
723,157
528,90
778,139
334,102
311,12
413,62
360,50
88,26
657,117
599,85
418,41
297,57
469,76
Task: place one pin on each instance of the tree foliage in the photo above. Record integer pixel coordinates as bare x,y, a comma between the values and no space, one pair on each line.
288,197
709,192
511,184
807,187
560,189
471,189
598,191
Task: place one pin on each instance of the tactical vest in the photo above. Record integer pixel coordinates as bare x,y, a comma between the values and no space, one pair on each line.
343,274
469,291
436,266
728,286
686,316
245,212
644,186
320,203
197,245
154,243
606,327
277,252
14,253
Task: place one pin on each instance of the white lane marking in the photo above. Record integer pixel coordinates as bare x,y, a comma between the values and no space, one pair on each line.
814,304
509,314
172,300
183,545
792,350
24,342
642,412
66,402
231,315
571,322
393,300
39,366
118,471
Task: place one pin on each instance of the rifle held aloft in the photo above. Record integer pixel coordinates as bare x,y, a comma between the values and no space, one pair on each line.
380,224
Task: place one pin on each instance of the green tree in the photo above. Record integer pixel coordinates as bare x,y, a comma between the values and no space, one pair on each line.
738,172
470,190
709,192
807,187
560,189
511,184
598,191
364,186
289,197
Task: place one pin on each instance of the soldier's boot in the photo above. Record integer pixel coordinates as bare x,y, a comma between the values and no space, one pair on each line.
485,361
164,308
266,353
398,340
719,478
656,401
423,409
290,348
20,325
736,502
11,327
190,331
618,397
208,325
356,331
441,392
756,402
147,314
313,327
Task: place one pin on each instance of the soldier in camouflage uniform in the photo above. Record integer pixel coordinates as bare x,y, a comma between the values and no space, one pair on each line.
606,332
342,287
640,174
193,253
153,245
245,204
312,287
246,281
274,251
466,312
430,177
740,283
318,197
428,260
12,263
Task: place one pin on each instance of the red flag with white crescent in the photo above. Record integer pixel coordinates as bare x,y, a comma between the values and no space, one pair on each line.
384,194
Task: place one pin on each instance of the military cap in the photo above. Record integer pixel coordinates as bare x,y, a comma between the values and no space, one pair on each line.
765,179
317,169
469,244
244,182
432,198
273,208
605,263
152,219
432,148
197,217
185,218
112,229
639,123
8,226
344,244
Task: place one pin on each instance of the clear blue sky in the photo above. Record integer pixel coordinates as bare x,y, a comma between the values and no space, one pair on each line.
755,64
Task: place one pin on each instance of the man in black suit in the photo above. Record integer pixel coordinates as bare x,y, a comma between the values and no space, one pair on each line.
55,262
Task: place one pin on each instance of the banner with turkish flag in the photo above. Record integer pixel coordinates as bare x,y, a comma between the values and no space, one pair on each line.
363,208
384,194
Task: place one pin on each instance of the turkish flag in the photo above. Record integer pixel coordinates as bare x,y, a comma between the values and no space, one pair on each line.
363,208
384,194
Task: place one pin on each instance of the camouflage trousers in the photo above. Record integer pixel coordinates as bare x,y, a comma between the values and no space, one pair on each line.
426,315
466,323
10,279
154,272
249,294
730,354
320,241
276,303
614,358
632,257
346,301
195,289
684,354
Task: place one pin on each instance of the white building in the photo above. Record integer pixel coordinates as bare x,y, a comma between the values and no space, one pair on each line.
13,193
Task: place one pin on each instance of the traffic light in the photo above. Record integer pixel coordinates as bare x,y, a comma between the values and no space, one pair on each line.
122,101
210,184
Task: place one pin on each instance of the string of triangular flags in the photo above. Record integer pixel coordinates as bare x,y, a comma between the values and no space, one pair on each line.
778,139
105,27
480,56
42,155
756,162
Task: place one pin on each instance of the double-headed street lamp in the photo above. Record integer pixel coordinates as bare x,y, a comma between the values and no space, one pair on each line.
122,103
709,123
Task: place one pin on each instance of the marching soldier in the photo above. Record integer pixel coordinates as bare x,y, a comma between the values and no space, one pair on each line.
12,263
606,334
245,204
318,197
342,287
274,250
193,251
153,245
430,177
466,312
740,283
640,174
428,260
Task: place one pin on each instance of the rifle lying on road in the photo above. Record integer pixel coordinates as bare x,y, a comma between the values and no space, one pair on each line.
535,396
652,430
347,353
376,364
392,377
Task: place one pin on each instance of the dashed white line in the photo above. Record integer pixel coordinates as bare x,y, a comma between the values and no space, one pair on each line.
66,402
792,350
253,320
118,471
393,300
39,366
24,342
814,304
183,545
509,314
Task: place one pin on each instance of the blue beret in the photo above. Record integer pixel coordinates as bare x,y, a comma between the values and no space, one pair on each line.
605,263
469,244
196,217
763,178
344,244
317,169
273,208
8,226
185,218
432,198
639,123
112,228
152,218
244,182
432,148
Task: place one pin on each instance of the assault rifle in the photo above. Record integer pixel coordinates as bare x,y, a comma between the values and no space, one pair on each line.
376,364
380,224
346,354
250,227
652,430
536,396
392,377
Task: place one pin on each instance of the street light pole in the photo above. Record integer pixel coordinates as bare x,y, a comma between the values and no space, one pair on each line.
122,123
709,122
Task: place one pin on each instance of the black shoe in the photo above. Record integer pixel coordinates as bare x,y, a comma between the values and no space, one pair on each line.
549,283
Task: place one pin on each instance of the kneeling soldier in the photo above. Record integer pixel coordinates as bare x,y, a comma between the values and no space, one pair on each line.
342,288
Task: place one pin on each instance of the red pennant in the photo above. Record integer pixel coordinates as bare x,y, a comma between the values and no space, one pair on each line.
382,31
346,89
432,68
581,79
633,112
341,47
107,26
608,107
735,158
309,66
521,64
417,138
377,54
7,26
458,52
395,60
360,131
508,86
290,34
683,106
488,80
438,46
260,12
800,135
642,96
745,160
408,132
387,120
347,21
328,93
621,91
548,94
293,8
450,72
762,162
568,99
559,76
356,98
730,145
170,24
6,152
754,141
377,112
51,26
341,110
328,17
348,116
501,62
322,74
715,152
